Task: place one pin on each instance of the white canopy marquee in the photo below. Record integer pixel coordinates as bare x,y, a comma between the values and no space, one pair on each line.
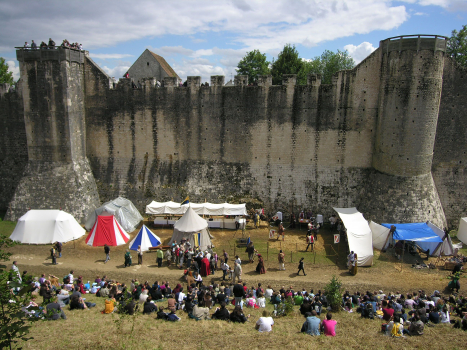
359,234
172,208
46,226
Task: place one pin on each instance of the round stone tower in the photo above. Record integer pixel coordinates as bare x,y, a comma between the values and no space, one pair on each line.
410,93
401,189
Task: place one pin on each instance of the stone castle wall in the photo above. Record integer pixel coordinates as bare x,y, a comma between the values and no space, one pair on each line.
362,141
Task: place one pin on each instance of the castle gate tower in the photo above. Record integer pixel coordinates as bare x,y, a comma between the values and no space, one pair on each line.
58,174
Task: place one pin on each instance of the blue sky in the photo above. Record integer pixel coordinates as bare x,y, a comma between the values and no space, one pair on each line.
208,37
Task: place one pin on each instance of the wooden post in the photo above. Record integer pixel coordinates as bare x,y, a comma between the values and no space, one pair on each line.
296,247
267,252
235,249
314,258
291,256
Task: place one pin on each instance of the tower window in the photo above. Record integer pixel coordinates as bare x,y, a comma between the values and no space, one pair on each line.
148,63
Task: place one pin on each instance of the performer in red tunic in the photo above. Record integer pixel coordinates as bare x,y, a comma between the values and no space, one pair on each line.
205,268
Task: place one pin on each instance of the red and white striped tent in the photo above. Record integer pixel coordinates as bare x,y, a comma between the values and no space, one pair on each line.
107,230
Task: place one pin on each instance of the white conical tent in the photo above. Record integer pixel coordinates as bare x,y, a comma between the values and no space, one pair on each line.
46,226
193,228
146,239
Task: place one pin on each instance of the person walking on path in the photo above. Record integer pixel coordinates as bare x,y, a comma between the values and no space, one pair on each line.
140,255
281,258
301,267
128,258
280,232
107,253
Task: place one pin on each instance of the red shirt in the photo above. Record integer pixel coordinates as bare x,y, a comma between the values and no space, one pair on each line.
387,313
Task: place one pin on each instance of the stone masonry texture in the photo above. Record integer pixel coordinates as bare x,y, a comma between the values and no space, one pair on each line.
388,137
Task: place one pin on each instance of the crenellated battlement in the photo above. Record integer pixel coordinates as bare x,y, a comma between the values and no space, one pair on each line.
367,139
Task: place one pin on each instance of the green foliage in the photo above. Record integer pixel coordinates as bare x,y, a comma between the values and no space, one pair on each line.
5,242
288,62
253,64
285,308
457,46
14,322
333,292
329,63
5,75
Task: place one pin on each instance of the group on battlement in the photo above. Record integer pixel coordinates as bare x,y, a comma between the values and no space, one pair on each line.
51,45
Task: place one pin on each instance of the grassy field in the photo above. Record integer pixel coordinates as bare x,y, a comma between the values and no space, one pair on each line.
89,329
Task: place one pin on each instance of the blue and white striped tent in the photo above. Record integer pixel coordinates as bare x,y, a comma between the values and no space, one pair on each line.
146,239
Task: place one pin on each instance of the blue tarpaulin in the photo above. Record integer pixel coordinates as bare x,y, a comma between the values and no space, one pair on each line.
416,232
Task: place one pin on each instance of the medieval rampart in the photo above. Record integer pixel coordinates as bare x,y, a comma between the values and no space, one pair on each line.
365,140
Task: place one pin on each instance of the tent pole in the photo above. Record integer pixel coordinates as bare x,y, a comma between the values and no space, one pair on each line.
403,253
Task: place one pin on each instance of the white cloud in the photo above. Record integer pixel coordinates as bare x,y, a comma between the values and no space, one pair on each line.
450,5
12,67
420,14
360,52
109,56
118,71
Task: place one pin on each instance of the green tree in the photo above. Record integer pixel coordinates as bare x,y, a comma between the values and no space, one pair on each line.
330,63
288,62
253,64
333,292
5,75
457,46
5,242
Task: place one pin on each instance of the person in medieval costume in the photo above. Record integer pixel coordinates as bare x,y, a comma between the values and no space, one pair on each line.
205,267
127,258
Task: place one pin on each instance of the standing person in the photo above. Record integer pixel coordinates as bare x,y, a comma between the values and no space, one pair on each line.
33,45
301,267
107,253
250,249
224,268
309,240
140,255
280,232
205,267
53,255
260,267
237,272
128,258
16,272
58,246
239,293
160,256
281,258
226,257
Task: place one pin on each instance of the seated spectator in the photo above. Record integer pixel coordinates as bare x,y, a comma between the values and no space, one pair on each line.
221,313
172,316
444,315
387,312
433,315
171,303
298,299
54,311
367,311
188,306
149,307
63,297
79,303
237,315
264,323
261,300
161,314
416,327
268,293
201,312
328,326
305,307
143,296
109,305
312,324
130,307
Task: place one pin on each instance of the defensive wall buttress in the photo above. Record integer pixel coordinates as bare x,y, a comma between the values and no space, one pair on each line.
388,137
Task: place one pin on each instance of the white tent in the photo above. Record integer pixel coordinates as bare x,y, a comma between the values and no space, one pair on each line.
462,230
172,208
380,236
358,234
124,211
193,228
46,226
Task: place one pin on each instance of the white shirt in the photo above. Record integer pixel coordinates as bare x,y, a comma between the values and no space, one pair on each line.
268,293
238,261
265,324
261,302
